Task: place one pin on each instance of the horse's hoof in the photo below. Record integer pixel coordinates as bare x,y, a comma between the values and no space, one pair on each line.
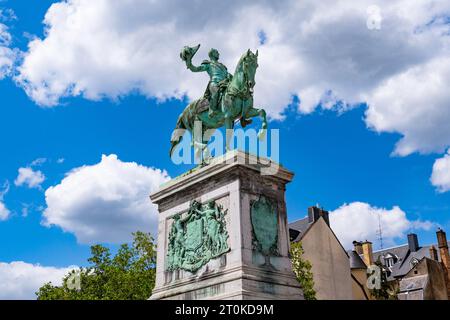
245,122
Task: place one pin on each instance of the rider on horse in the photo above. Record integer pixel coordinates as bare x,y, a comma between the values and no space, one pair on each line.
218,74
230,99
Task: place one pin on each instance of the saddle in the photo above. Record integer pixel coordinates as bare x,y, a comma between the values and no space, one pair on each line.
222,88
203,104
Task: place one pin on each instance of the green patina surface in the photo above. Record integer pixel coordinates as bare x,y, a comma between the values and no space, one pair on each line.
264,219
197,237
228,97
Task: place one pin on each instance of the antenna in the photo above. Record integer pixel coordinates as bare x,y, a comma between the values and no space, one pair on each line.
380,231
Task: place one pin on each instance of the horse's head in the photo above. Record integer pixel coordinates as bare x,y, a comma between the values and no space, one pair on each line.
248,65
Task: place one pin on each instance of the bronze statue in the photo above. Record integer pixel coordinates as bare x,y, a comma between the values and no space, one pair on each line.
218,74
228,98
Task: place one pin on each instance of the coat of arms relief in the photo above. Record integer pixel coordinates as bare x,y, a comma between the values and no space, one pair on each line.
197,237
264,218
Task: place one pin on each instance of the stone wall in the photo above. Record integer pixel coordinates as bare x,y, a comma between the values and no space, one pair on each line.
243,272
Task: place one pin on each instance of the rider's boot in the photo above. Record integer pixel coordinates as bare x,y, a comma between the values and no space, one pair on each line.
212,106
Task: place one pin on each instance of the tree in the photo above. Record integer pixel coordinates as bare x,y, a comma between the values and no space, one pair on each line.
129,275
302,270
385,290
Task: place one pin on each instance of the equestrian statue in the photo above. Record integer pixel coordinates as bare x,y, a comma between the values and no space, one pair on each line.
228,98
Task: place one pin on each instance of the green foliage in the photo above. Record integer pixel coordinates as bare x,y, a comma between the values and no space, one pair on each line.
302,270
386,291
129,275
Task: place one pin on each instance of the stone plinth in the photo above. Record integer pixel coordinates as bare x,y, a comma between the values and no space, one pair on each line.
247,270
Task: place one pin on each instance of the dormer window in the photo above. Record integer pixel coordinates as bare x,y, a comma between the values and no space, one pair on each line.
390,260
414,262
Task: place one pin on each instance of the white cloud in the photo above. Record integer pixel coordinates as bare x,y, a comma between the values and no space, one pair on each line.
20,280
109,48
4,212
38,162
25,210
415,103
360,221
29,177
440,177
7,55
105,202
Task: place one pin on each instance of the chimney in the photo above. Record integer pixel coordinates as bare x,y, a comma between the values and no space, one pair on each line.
443,248
358,247
367,253
433,253
445,258
314,213
413,242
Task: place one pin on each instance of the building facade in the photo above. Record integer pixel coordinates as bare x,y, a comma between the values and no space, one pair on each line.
358,269
415,272
329,260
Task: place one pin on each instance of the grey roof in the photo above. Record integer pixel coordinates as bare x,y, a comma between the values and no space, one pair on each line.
355,260
406,263
300,224
399,251
298,228
403,258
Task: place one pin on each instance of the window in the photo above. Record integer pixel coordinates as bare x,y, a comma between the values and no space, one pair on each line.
414,262
389,260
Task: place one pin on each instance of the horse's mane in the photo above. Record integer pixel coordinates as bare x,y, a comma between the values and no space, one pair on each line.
240,62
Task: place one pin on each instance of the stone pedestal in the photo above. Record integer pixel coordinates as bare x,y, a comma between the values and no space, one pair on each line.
247,270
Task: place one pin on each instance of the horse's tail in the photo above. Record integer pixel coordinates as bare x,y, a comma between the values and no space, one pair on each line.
184,122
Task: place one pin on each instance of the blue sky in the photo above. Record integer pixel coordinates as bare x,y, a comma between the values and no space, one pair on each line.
339,156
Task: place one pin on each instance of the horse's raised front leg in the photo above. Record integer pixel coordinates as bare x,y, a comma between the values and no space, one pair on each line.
253,112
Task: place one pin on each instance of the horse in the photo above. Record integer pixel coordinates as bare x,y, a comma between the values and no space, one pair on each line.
236,104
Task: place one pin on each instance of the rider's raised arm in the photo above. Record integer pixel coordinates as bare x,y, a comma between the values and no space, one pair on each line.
203,67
